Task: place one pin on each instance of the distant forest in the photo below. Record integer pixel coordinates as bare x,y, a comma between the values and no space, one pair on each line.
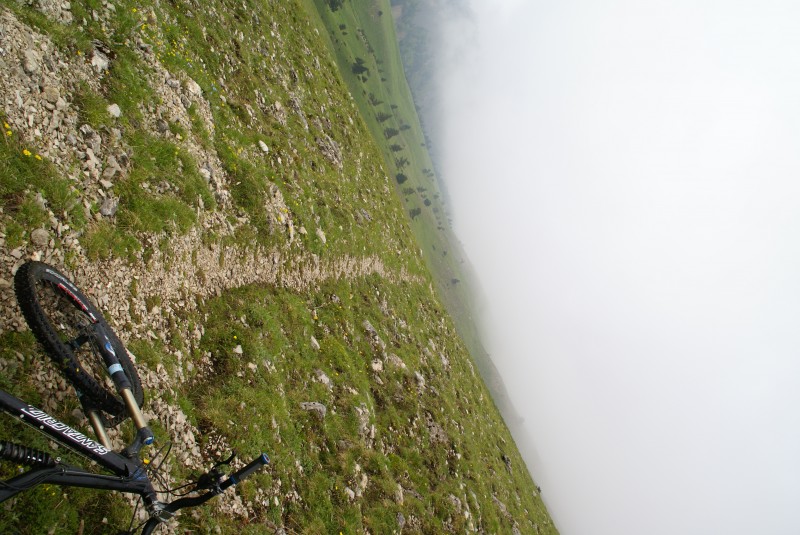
416,25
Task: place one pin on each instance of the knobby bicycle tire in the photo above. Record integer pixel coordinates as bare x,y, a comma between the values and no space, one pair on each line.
61,318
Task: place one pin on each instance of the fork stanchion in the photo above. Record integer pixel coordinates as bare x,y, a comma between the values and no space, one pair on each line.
93,415
133,408
99,429
143,435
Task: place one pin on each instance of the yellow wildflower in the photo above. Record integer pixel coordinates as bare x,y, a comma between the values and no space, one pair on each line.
6,125
38,157
8,132
26,152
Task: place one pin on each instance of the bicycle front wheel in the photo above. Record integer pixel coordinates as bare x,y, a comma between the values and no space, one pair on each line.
71,330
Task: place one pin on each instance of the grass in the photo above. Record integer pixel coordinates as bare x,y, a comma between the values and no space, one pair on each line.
410,429
28,184
105,240
277,326
361,35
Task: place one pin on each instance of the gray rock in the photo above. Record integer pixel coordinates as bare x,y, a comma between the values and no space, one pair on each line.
194,88
313,406
263,146
370,329
420,379
91,160
40,237
376,340
97,143
109,207
99,61
30,61
315,343
51,94
396,361
330,149
323,378
162,126
112,169
55,122
114,110
145,47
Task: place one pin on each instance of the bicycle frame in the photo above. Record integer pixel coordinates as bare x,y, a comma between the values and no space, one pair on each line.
129,473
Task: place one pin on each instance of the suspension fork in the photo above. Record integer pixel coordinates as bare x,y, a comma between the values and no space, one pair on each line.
143,433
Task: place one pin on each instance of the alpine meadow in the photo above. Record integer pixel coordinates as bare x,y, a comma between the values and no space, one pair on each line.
244,189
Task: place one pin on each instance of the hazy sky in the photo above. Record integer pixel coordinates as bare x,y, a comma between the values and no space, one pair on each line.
625,176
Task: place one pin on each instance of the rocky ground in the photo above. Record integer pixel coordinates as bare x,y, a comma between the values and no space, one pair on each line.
38,84
325,214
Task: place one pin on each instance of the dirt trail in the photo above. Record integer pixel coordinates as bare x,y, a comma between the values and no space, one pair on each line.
188,270
181,276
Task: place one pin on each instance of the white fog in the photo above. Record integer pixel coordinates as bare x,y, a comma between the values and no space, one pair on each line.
625,177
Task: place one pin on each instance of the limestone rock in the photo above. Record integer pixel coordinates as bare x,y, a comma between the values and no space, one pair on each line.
109,207
194,88
31,61
314,407
40,237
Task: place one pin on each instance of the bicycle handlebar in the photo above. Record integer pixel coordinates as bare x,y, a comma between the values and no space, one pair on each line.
245,472
193,501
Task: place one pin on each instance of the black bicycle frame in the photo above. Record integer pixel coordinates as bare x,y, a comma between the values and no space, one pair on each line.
129,474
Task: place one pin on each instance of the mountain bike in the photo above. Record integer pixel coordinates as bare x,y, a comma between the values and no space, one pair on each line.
91,357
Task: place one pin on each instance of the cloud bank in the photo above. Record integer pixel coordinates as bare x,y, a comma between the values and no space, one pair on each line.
625,177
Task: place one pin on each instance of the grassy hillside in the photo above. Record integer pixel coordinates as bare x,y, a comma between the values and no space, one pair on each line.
202,171
361,36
